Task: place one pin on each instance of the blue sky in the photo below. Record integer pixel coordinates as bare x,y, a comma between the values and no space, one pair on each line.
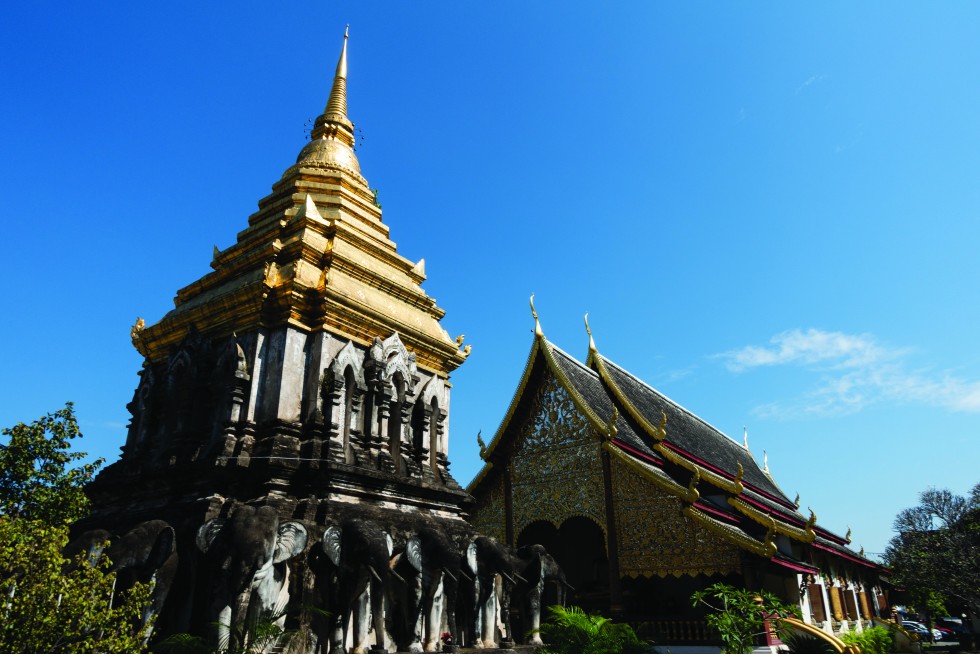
769,210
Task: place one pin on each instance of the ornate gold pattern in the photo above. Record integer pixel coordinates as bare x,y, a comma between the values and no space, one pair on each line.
556,471
490,516
655,539
804,535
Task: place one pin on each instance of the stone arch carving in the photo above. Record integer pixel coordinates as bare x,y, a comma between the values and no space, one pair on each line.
348,356
397,358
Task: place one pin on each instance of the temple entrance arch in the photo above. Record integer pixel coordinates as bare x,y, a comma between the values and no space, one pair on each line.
579,547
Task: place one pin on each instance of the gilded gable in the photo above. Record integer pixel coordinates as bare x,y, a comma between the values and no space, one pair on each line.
556,466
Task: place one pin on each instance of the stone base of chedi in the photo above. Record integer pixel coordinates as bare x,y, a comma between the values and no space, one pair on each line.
290,426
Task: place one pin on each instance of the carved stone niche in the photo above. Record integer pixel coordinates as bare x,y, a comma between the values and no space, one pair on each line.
343,390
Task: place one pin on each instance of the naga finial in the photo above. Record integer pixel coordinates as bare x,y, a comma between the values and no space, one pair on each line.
660,431
765,462
136,334
796,502
739,486
745,437
692,488
847,536
611,430
771,536
483,446
537,323
810,524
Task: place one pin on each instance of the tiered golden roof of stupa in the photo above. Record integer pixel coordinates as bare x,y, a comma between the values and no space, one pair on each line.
316,255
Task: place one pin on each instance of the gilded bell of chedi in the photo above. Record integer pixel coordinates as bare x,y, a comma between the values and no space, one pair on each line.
315,256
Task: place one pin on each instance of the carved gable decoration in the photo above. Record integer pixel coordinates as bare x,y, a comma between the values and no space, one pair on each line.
657,539
347,357
397,359
556,465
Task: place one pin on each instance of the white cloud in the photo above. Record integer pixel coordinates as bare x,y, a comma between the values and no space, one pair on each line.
807,347
851,372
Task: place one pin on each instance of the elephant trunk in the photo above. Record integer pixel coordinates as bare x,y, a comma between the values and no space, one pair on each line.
240,626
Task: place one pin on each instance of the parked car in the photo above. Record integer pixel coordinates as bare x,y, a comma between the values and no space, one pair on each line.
922,630
948,634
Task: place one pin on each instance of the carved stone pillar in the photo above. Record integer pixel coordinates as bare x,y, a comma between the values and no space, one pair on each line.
332,390
385,460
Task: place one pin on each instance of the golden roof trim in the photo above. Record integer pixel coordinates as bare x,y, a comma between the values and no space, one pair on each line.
654,431
804,535
732,486
660,479
766,549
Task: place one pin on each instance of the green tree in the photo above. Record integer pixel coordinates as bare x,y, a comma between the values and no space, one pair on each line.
573,631
935,554
48,603
739,615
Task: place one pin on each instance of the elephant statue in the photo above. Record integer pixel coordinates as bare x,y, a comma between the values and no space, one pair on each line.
432,567
145,554
496,573
537,568
246,555
353,570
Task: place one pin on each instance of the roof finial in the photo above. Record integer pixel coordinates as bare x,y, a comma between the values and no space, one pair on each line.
745,437
537,323
589,332
765,462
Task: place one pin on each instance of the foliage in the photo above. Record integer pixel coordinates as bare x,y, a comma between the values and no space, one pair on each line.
875,640
738,614
936,552
51,604
257,636
36,481
806,644
570,630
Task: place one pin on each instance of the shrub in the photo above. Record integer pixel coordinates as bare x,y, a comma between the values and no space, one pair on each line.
876,640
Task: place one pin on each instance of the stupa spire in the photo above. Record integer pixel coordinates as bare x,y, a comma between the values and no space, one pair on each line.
332,139
336,108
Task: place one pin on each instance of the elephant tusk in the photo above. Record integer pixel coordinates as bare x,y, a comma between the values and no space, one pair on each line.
569,586
465,576
451,575
508,577
398,576
375,574
520,578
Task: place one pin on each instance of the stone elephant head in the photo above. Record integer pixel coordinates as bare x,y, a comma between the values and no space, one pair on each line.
353,570
246,555
432,567
146,554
